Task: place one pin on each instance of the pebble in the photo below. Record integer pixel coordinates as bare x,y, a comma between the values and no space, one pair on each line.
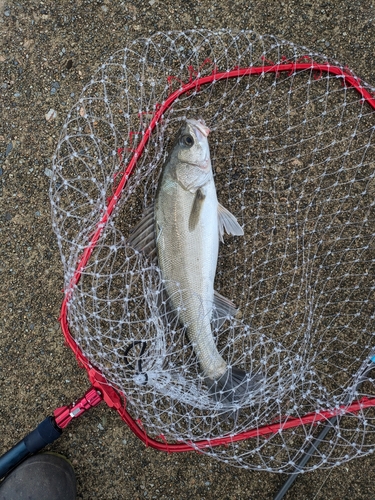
54,87
37,214
7,13
100,427
7,216
48,172
8,149
1,171
51,115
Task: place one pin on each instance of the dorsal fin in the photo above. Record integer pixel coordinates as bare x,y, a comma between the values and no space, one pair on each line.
142,236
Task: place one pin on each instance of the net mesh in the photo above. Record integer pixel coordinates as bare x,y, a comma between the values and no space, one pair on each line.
293,159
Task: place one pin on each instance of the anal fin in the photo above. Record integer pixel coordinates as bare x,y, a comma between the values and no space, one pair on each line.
223,308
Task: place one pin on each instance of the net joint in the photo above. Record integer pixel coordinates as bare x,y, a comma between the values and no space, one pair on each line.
65,414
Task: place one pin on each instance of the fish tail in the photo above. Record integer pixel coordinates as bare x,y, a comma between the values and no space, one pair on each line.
233,386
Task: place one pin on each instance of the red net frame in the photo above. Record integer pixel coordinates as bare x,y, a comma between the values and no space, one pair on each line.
117,400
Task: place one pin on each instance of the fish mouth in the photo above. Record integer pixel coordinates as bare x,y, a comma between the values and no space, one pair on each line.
199,124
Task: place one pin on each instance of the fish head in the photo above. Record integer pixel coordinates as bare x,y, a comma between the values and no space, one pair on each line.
192,145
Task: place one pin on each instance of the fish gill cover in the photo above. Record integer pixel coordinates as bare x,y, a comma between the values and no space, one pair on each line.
292,152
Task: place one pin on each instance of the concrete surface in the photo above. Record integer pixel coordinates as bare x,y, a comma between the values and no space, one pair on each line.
41,42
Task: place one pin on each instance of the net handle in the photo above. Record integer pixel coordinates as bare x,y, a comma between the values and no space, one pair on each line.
110,395
310,450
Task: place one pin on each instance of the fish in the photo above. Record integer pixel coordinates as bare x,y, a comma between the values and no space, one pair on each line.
181,231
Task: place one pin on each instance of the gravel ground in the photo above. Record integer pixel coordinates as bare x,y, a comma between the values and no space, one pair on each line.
49,50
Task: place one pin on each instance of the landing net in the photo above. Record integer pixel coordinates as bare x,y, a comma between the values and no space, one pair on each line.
293,155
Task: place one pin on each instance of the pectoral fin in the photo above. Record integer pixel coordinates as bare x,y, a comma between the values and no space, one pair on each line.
228,222
223,308
142,236
196,209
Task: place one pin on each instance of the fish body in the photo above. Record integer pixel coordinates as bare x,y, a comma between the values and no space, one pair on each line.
183,230
187,239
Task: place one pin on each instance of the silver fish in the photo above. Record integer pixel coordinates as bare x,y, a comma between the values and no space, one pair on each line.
183,230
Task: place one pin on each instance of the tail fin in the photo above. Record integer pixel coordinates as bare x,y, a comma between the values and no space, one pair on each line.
233,386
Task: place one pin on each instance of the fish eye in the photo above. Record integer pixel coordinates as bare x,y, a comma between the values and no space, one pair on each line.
187,140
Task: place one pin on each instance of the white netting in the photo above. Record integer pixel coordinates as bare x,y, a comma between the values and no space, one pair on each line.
293,157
